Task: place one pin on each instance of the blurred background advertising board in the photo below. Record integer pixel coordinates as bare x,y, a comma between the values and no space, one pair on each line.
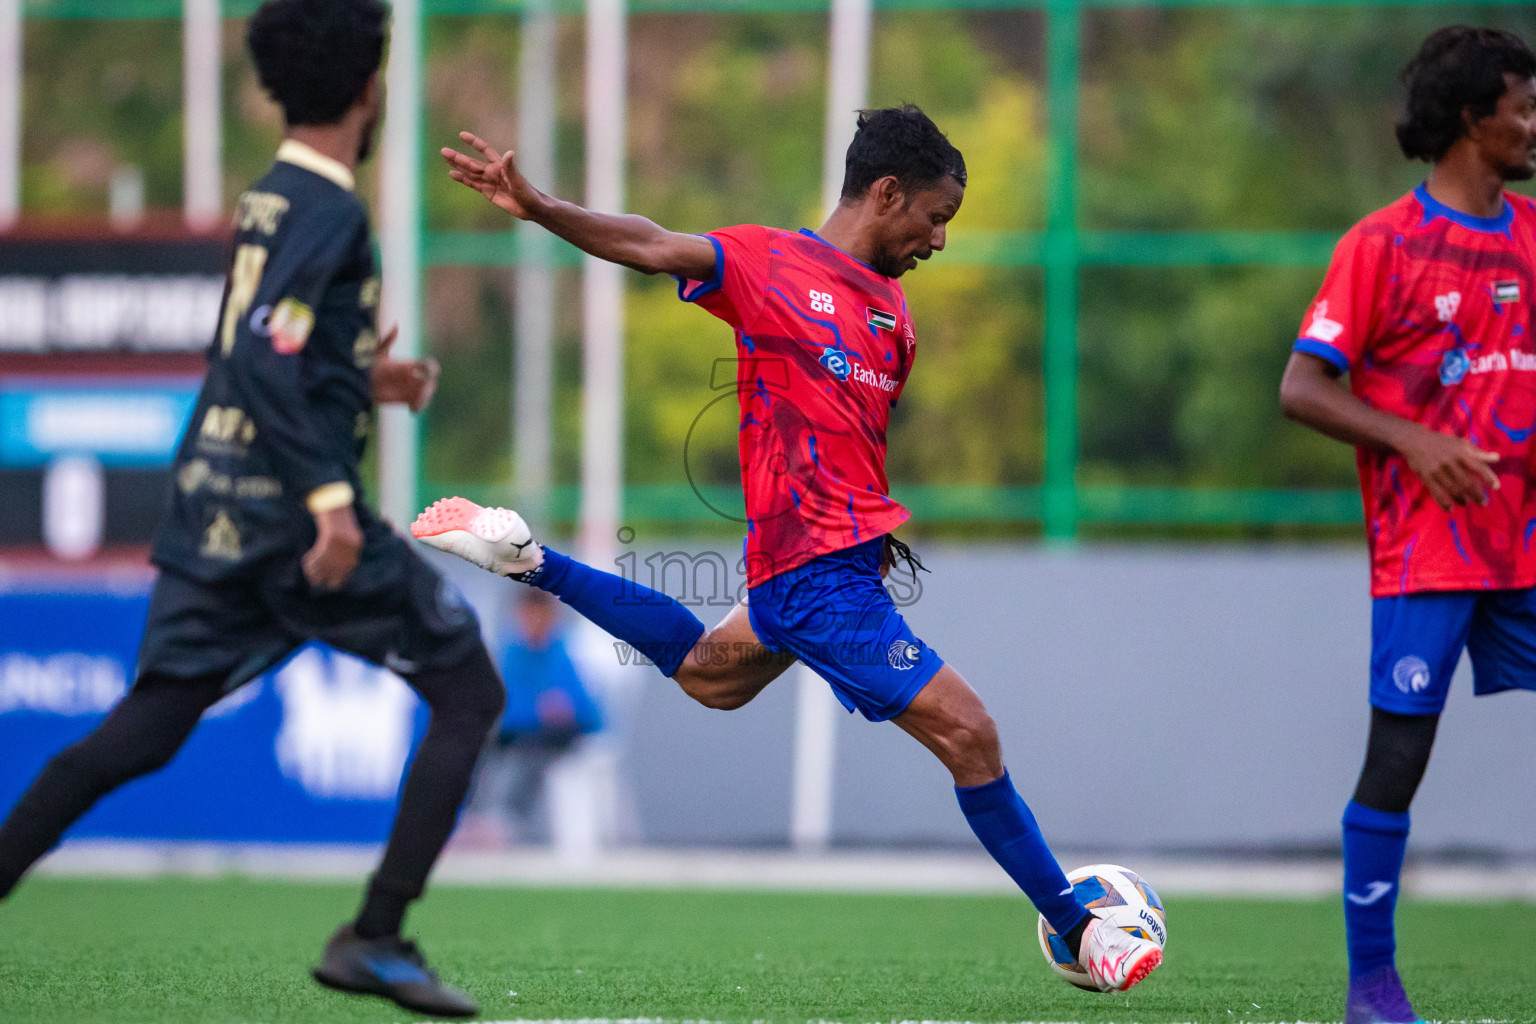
101,339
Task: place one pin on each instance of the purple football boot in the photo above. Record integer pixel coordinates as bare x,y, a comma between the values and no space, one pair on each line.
1378,998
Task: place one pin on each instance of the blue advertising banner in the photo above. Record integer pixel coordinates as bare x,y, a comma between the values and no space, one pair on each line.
122,424
312,752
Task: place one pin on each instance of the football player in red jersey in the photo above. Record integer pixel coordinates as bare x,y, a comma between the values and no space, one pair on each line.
824,346
1426,307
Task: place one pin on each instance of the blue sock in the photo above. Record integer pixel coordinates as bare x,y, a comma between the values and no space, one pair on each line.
1000,819
649,621
1374,842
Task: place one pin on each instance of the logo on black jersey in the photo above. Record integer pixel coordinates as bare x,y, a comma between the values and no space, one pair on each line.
881,319
222,539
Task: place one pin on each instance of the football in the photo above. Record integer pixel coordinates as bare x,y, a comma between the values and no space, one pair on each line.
1117,895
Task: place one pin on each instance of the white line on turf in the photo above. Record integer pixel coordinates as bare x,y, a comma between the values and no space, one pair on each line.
673,1020
839,871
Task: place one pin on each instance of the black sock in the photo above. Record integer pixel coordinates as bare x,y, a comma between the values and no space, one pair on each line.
1074,938
383,911
465,701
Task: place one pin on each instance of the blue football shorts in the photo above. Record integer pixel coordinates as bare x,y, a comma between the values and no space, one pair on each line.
1417,639
834,614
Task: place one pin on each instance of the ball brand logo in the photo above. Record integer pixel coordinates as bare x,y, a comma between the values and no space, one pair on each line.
903,655
836,361
1454,366
1153,925
1410,674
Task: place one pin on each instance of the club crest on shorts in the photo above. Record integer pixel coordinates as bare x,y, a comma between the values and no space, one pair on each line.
1411,674
903,655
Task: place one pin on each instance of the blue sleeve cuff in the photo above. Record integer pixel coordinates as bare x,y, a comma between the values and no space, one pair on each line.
703,288
1323,350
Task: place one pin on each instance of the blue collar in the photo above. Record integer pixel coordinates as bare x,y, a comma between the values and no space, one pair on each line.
811,234
1489,225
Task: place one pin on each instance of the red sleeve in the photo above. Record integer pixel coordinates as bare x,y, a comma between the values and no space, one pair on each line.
1341,324
738,288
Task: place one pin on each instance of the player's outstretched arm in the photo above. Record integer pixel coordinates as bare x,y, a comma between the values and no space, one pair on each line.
1455,470
629,240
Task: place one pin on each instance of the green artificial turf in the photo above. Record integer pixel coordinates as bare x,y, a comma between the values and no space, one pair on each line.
232,950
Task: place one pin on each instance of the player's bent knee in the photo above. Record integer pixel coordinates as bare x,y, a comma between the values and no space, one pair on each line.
717,694
470,691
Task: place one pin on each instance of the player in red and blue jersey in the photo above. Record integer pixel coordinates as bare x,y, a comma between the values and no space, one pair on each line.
1426,307
824,346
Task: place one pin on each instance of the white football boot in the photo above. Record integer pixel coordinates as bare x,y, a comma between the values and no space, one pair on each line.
1114,958
495,539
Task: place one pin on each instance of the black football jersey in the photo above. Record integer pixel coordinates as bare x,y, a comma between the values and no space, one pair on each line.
283,415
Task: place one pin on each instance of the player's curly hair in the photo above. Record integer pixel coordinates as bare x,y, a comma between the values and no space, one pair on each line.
1457,68
315,56
904,142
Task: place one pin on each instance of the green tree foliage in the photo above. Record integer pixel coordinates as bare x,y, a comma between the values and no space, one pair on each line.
1273,118
1221,120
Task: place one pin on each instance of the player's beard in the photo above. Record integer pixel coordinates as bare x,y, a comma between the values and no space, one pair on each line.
1523,172
890,265
365,144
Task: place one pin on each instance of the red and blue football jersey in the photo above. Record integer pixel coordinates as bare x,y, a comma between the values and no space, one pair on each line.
824,346
1428,310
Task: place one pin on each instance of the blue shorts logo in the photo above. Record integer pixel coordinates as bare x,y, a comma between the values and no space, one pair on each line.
1411,674
903,655
1454,366
836,360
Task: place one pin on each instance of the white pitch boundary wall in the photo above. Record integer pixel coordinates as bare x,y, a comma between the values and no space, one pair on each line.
1159,699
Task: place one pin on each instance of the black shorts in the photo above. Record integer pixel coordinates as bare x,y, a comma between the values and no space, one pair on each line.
394,610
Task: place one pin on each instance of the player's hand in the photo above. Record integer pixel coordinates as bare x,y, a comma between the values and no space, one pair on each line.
338,543
1455,470
497,178
409,381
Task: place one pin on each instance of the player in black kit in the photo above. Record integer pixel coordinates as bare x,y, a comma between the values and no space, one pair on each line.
266,543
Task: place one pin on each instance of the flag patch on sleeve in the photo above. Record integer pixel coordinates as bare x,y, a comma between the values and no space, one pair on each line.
1506,291
881,319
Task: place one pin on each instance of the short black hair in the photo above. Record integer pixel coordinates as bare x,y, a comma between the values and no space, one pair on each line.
904,142
1457,68
315,56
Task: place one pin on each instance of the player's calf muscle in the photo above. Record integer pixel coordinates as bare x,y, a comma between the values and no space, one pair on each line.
724,672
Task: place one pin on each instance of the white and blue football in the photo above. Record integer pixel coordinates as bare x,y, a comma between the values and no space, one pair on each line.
1119,896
